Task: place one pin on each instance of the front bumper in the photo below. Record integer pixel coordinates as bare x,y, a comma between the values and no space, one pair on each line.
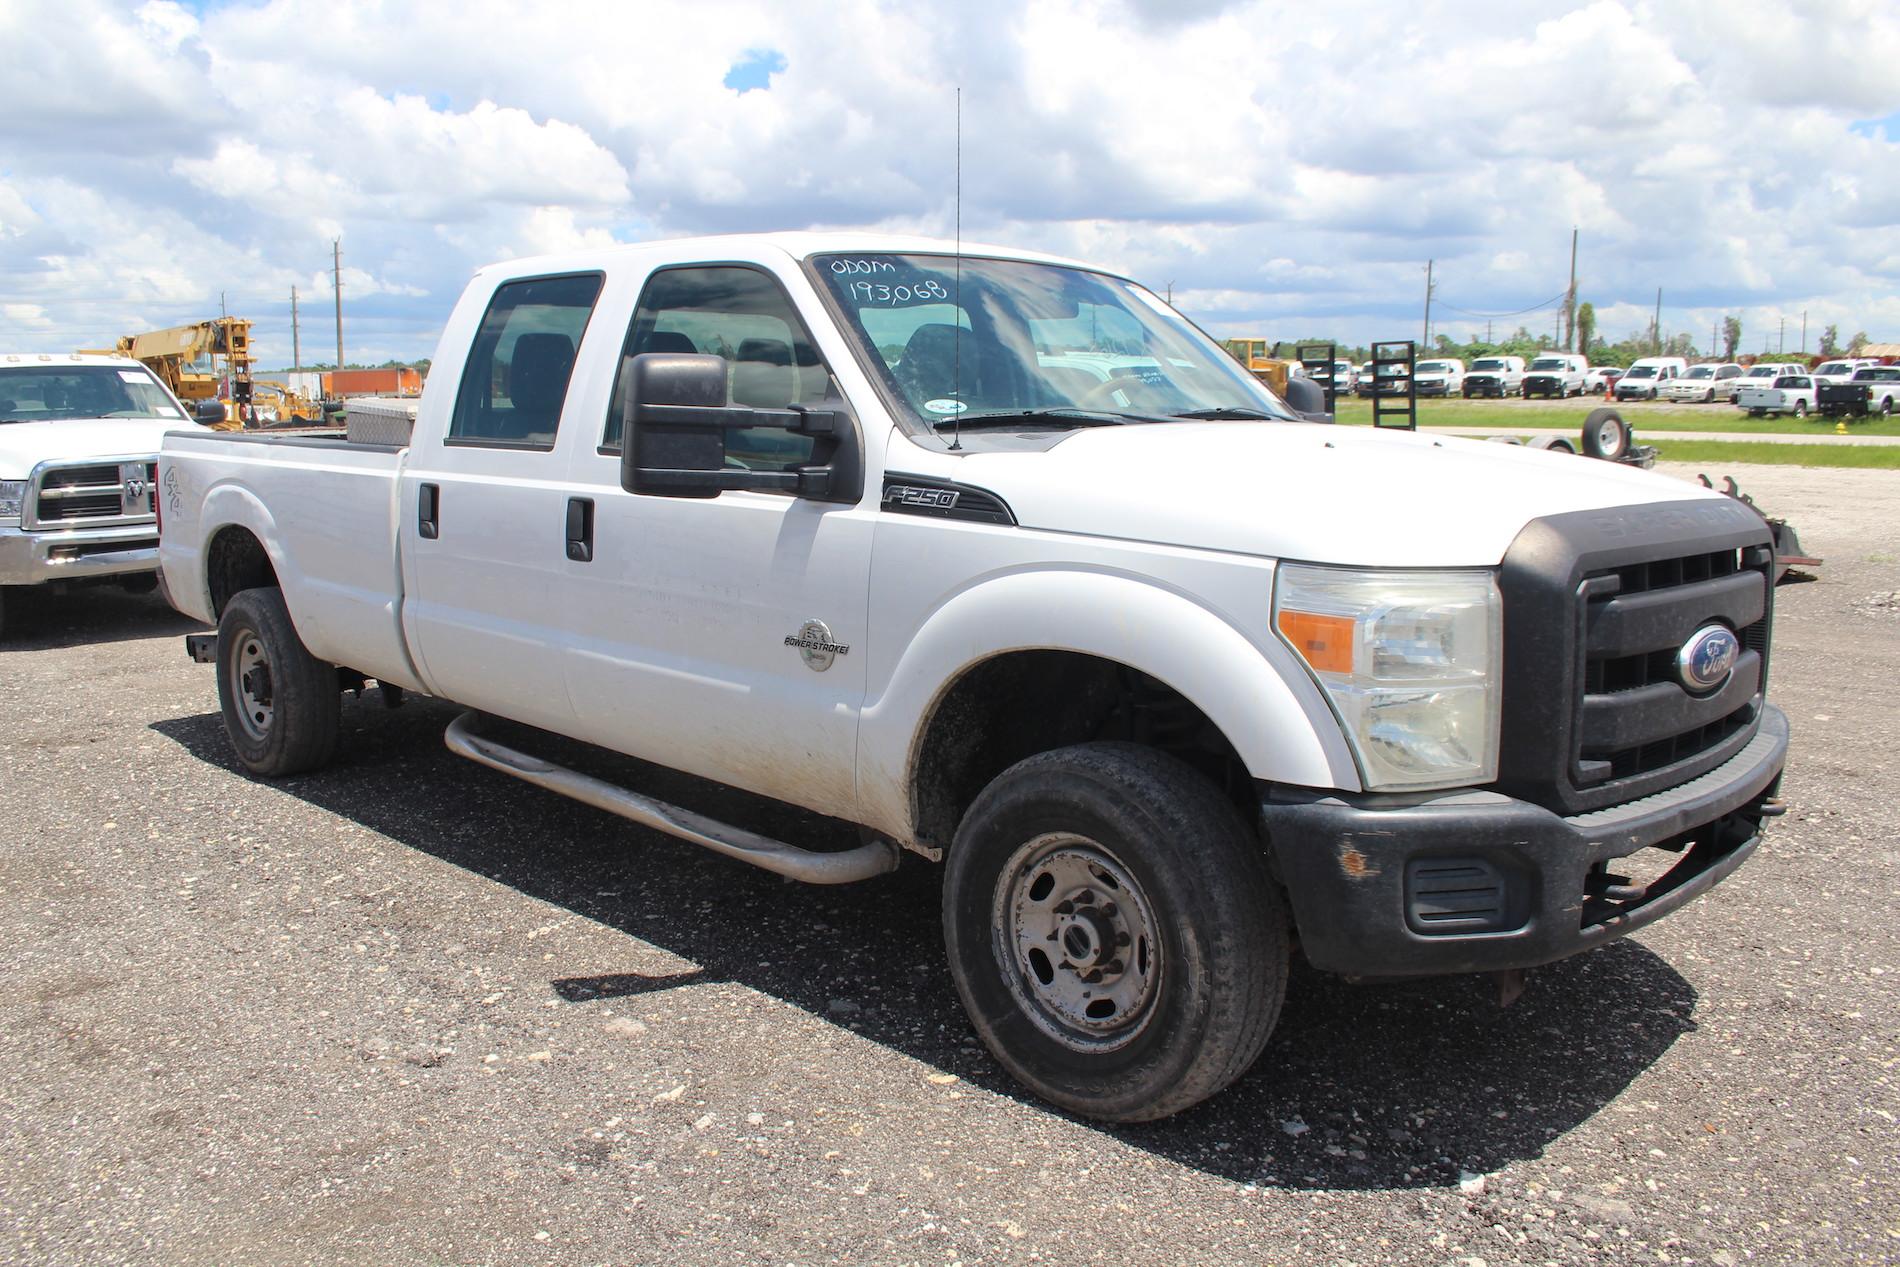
35,558
1478,882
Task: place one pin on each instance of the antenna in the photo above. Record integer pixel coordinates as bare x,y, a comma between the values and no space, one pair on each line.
956,329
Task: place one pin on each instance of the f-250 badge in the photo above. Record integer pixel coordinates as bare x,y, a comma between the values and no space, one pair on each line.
815,646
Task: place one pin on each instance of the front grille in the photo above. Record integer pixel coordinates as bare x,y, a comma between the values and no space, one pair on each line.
92,494
1598,604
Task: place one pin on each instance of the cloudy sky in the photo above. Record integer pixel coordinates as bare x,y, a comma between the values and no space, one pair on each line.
1286,169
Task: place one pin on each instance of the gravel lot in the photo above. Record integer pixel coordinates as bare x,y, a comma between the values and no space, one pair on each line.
411,1011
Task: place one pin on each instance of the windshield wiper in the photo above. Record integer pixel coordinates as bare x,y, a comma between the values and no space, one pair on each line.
1054,416
1222,413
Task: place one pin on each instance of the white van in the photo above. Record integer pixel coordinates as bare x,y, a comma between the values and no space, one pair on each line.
1643,380
1704,383
1495,376
1440,376
1556,374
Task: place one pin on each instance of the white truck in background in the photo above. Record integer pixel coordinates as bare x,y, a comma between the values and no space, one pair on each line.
1494,376
79,440
996,557
1439,376
1784,394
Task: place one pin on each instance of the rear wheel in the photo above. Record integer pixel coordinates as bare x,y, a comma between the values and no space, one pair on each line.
1113,931
1800,409
281,704
1606,435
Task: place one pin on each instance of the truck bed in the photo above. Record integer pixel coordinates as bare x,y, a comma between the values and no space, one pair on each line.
328,507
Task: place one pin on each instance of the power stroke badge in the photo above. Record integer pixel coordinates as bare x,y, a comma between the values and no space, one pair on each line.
815,646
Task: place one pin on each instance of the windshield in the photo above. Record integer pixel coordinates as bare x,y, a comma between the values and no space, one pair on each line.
1761,372
1835,367
55,393
999,338
1701,371
1547,363
1487,364
1434,367
1641,371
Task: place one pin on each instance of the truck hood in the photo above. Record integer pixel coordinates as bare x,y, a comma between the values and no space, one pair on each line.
24,445
1310,491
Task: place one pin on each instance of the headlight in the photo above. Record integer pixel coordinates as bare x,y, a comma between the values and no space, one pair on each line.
1409,662
12,496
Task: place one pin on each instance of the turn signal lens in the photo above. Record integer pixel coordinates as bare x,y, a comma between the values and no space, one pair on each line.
1324,642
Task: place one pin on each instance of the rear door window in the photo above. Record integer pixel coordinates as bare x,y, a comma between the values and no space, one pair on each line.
518,368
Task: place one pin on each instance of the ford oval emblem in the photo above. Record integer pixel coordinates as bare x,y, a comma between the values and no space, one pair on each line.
1706,659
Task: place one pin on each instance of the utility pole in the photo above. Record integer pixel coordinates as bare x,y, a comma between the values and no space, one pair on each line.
1659,320
1426,341
1715,337
1570,299
336,283
1487,329
296,346
1781,338
1804,332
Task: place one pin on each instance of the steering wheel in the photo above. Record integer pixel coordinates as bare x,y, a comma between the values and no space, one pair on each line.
1102,394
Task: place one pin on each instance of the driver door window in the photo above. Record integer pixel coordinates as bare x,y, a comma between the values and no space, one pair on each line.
742,316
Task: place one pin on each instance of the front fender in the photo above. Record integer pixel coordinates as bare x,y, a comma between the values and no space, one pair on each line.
1249,687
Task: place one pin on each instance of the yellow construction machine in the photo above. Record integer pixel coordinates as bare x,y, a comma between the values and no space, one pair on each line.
1263,360
210,361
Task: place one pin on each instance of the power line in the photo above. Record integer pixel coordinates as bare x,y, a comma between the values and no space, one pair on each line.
1552,302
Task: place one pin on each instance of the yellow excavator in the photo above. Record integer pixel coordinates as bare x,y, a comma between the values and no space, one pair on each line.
210,361
1263,360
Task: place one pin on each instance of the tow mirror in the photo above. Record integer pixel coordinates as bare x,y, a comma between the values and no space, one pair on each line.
209,411
675,414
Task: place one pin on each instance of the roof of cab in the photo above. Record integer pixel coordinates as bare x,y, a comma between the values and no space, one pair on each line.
794,245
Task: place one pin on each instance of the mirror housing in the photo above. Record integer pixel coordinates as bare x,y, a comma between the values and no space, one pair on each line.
675,412
208,411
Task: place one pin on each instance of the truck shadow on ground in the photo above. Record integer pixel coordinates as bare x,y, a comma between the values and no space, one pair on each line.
87,616
1362,1087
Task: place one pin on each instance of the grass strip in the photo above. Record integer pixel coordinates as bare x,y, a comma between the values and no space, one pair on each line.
1720,452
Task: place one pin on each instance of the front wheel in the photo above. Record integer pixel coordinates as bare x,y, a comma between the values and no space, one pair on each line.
1800,409
1113,931
281,704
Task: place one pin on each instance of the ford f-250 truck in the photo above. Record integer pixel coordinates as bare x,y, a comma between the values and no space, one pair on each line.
78,456
1001,559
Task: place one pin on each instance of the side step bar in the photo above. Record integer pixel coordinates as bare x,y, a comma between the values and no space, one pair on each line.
809,866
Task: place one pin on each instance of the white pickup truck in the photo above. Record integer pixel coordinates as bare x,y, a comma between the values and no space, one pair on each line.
1783,394
78,454
999,558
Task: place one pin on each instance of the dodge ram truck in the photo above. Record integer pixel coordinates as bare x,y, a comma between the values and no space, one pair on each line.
998,558
78,457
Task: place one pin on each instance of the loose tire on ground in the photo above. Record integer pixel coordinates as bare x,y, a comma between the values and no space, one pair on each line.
281,704
1606,435
1122,862
1556,444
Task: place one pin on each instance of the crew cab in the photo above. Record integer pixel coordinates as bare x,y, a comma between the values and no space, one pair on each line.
78,456
1555,374
1494,376
1162,677
1840,371
1871,390
1785,394
1702,383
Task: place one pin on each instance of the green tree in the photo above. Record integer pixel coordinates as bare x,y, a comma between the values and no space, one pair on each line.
1831,341
1586,327
1855,344
1731,337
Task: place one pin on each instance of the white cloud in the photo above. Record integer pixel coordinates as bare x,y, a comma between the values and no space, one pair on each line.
1288,174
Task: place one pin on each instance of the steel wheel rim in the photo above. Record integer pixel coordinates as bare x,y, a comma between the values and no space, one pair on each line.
1077,942
1608,437
251,686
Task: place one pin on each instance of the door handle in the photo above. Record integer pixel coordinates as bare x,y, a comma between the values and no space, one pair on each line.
580,529
428,508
